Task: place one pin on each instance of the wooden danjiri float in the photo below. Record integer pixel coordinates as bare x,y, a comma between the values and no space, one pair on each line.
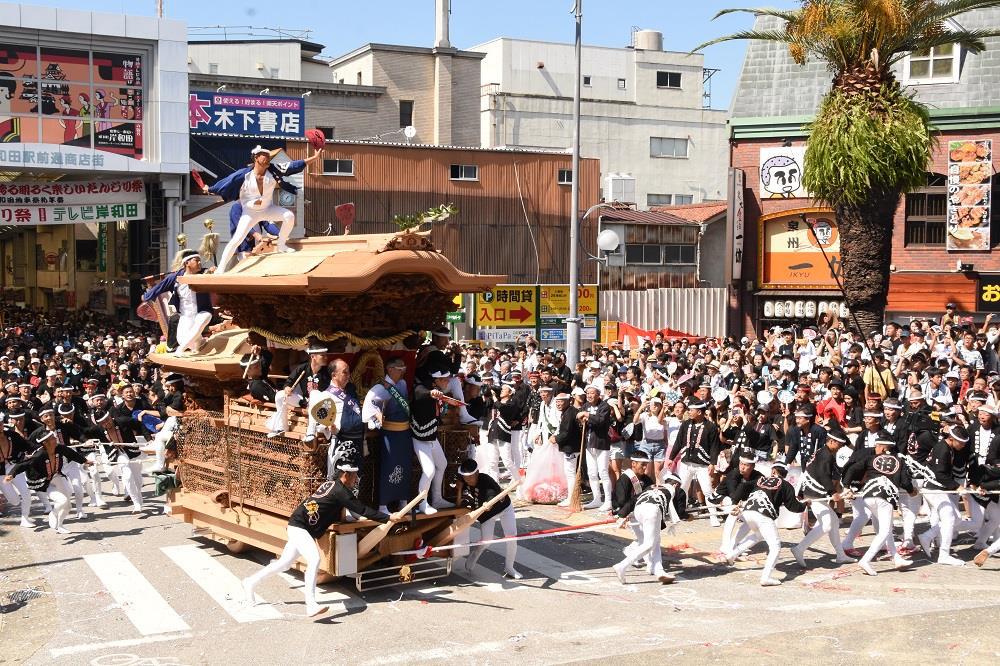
368,298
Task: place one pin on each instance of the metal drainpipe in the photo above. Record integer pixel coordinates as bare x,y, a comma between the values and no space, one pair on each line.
697,256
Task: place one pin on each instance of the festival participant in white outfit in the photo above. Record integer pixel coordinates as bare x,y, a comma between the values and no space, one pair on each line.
425,417
698,442
194,309
654,507
883,475
123,453
595,416
759,513
13,449
254,187
308,522
295,392
43,469
475,489
941,464
820,486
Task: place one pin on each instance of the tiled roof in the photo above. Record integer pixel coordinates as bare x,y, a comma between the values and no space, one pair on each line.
697,213
772,84
643,217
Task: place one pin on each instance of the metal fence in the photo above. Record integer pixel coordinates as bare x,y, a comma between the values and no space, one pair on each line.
697,311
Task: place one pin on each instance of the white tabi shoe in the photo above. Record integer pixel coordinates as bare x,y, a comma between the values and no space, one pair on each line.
512,573
845,559
925,543
620,572
770,582
565,502
901,562
797,554
248,592
316,611
426,509
945,558
443,504
28,522
275,433
80,515
62,530
593,504
284,249
867,569
605,507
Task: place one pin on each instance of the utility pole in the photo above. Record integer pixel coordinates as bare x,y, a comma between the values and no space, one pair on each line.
573,321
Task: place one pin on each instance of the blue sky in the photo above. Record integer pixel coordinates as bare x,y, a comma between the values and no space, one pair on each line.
343,25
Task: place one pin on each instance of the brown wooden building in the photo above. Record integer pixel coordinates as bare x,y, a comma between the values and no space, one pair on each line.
514,205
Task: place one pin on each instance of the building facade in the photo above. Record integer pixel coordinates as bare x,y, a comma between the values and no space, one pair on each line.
643,114
943,235
93,112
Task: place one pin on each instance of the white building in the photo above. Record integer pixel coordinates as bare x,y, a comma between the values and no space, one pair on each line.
642,114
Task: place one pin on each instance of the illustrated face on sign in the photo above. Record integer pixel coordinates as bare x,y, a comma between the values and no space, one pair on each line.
824,232
781,175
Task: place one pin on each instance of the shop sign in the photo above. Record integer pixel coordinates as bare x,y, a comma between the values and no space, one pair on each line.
793,244
503,306
736,219
780,174
254,116
72,202
504,334
553,302
970,170
988,294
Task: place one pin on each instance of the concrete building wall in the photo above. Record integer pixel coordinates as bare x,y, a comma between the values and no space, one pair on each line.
527,102
263,60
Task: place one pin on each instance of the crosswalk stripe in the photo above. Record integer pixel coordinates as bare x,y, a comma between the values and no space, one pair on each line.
325,595
138,599
544,565
219,583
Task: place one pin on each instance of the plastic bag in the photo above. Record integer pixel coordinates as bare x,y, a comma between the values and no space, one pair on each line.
545,480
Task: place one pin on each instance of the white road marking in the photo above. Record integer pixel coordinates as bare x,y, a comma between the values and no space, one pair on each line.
136,596
824,605
219,583
325,596
525,557
131,642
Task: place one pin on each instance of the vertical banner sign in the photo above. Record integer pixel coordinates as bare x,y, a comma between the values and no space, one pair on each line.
970,167
102,247
735,219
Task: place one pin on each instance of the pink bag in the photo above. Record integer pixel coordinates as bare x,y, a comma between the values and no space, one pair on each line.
545,480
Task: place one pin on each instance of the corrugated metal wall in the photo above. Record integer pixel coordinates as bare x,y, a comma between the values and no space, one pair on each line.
490,234
695,311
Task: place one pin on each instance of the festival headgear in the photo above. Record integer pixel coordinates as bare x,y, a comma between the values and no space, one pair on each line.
671,477
247,360
837,434
66,409
746,460
175,378
259,150
440,374
780,467
639,456
316,348
989,408
577,391
46,408
442,332
188,253
474,380
959,433
468,467
873,414
883,439
544,389
101,416
916,395
346,466
697,404
44,435
562,396
893,404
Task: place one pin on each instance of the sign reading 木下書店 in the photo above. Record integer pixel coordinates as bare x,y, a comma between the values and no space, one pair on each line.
72,202
255,116
970,169
988,293
792,247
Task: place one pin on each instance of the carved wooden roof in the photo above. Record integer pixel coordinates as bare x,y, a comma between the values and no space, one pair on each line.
342,265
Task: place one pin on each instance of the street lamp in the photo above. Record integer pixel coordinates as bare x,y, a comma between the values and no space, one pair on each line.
573,321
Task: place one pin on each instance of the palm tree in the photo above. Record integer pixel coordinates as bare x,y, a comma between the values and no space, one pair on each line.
871,140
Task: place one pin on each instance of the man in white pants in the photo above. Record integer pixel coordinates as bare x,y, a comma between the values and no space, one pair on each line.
13,448
295,392
820,483
475,489
759,513
309,521
425,416
941,464
43,469
123,453
653,507
194,309
253,187
595,418
698,445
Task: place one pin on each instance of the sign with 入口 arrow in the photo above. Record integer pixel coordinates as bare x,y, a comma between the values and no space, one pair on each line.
507,306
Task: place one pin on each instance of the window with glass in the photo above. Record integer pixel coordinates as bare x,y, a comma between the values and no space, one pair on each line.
668,79
338,167
659,199
660,146
926,210
565,177
938,64
73,97
464,172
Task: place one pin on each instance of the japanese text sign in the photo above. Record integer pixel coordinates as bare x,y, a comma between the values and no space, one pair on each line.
217,114
504,306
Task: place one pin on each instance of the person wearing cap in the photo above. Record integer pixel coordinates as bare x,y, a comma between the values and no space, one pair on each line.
595,419
253,187
387,409
879,476
759,512
819,486
122,452
698,445
194,309
13,449
308,522
939,474
43,470
295,390
425,417
474,489
628,487
443,356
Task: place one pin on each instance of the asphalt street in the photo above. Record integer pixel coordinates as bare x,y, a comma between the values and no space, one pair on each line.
132,590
